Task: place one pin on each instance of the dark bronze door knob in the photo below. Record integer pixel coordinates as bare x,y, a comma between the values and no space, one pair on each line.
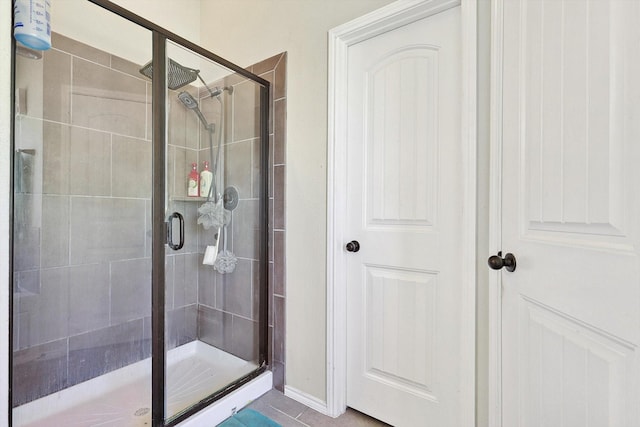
496,262
353,246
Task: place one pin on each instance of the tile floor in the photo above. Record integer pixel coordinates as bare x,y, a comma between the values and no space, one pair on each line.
290,413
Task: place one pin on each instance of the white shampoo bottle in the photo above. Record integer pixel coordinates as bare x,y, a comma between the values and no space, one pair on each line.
206,178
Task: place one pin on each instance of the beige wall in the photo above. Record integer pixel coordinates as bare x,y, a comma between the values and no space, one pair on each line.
246,31
123,38
181,17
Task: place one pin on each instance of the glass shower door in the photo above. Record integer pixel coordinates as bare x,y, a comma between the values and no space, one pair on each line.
213,182
81,242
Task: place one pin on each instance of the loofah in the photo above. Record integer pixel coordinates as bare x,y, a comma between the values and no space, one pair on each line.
225,262
213,215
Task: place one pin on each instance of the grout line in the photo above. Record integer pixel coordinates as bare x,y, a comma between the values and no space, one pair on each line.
289,416
282,56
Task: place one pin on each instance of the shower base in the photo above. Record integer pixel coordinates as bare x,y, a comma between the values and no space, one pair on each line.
122,398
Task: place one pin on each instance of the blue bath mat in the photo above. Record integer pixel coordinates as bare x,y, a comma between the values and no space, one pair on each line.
249,418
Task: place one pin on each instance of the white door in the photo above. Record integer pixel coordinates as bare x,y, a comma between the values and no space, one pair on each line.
570,212
404,207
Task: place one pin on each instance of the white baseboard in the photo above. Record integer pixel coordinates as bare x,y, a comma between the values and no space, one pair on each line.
307,400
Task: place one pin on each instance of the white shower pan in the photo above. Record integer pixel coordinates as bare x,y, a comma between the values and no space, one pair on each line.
122,398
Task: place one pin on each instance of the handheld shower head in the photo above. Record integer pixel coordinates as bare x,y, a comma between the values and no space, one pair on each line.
190,102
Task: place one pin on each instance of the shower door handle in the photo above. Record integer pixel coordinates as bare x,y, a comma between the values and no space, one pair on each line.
180,219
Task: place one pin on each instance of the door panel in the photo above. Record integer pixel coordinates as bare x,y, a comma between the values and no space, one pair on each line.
400,113
399,342
404,207
571,310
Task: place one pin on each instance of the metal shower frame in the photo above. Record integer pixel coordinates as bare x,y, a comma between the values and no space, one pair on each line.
159,140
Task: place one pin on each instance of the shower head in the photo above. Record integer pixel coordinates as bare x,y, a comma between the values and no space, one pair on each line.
177,75
190,102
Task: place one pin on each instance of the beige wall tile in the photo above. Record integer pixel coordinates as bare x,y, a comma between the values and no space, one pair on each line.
56,86
82,50
125,66
55,231
266,64
56,158
279,197
89,162
245,229
234,290
246,104
131,167
108,100
279,131
89,292
106,229
280,87
238,166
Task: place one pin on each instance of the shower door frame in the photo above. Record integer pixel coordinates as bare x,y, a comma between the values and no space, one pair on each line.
159,140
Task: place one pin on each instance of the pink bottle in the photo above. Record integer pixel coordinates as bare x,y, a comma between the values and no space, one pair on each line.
193,182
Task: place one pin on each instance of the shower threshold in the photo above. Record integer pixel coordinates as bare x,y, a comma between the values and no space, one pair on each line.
122,398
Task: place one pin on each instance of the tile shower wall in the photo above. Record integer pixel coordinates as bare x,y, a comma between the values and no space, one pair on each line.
226,318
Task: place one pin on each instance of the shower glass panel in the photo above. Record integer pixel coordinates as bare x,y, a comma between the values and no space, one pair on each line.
212,282
82,221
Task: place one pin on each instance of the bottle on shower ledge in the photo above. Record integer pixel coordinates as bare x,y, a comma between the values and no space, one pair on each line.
206,178
193,181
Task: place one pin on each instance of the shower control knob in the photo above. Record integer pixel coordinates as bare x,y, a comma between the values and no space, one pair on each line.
353,246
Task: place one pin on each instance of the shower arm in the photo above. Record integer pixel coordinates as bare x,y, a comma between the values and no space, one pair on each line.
216,93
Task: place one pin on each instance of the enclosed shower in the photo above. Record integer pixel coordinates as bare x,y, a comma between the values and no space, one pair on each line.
134,302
